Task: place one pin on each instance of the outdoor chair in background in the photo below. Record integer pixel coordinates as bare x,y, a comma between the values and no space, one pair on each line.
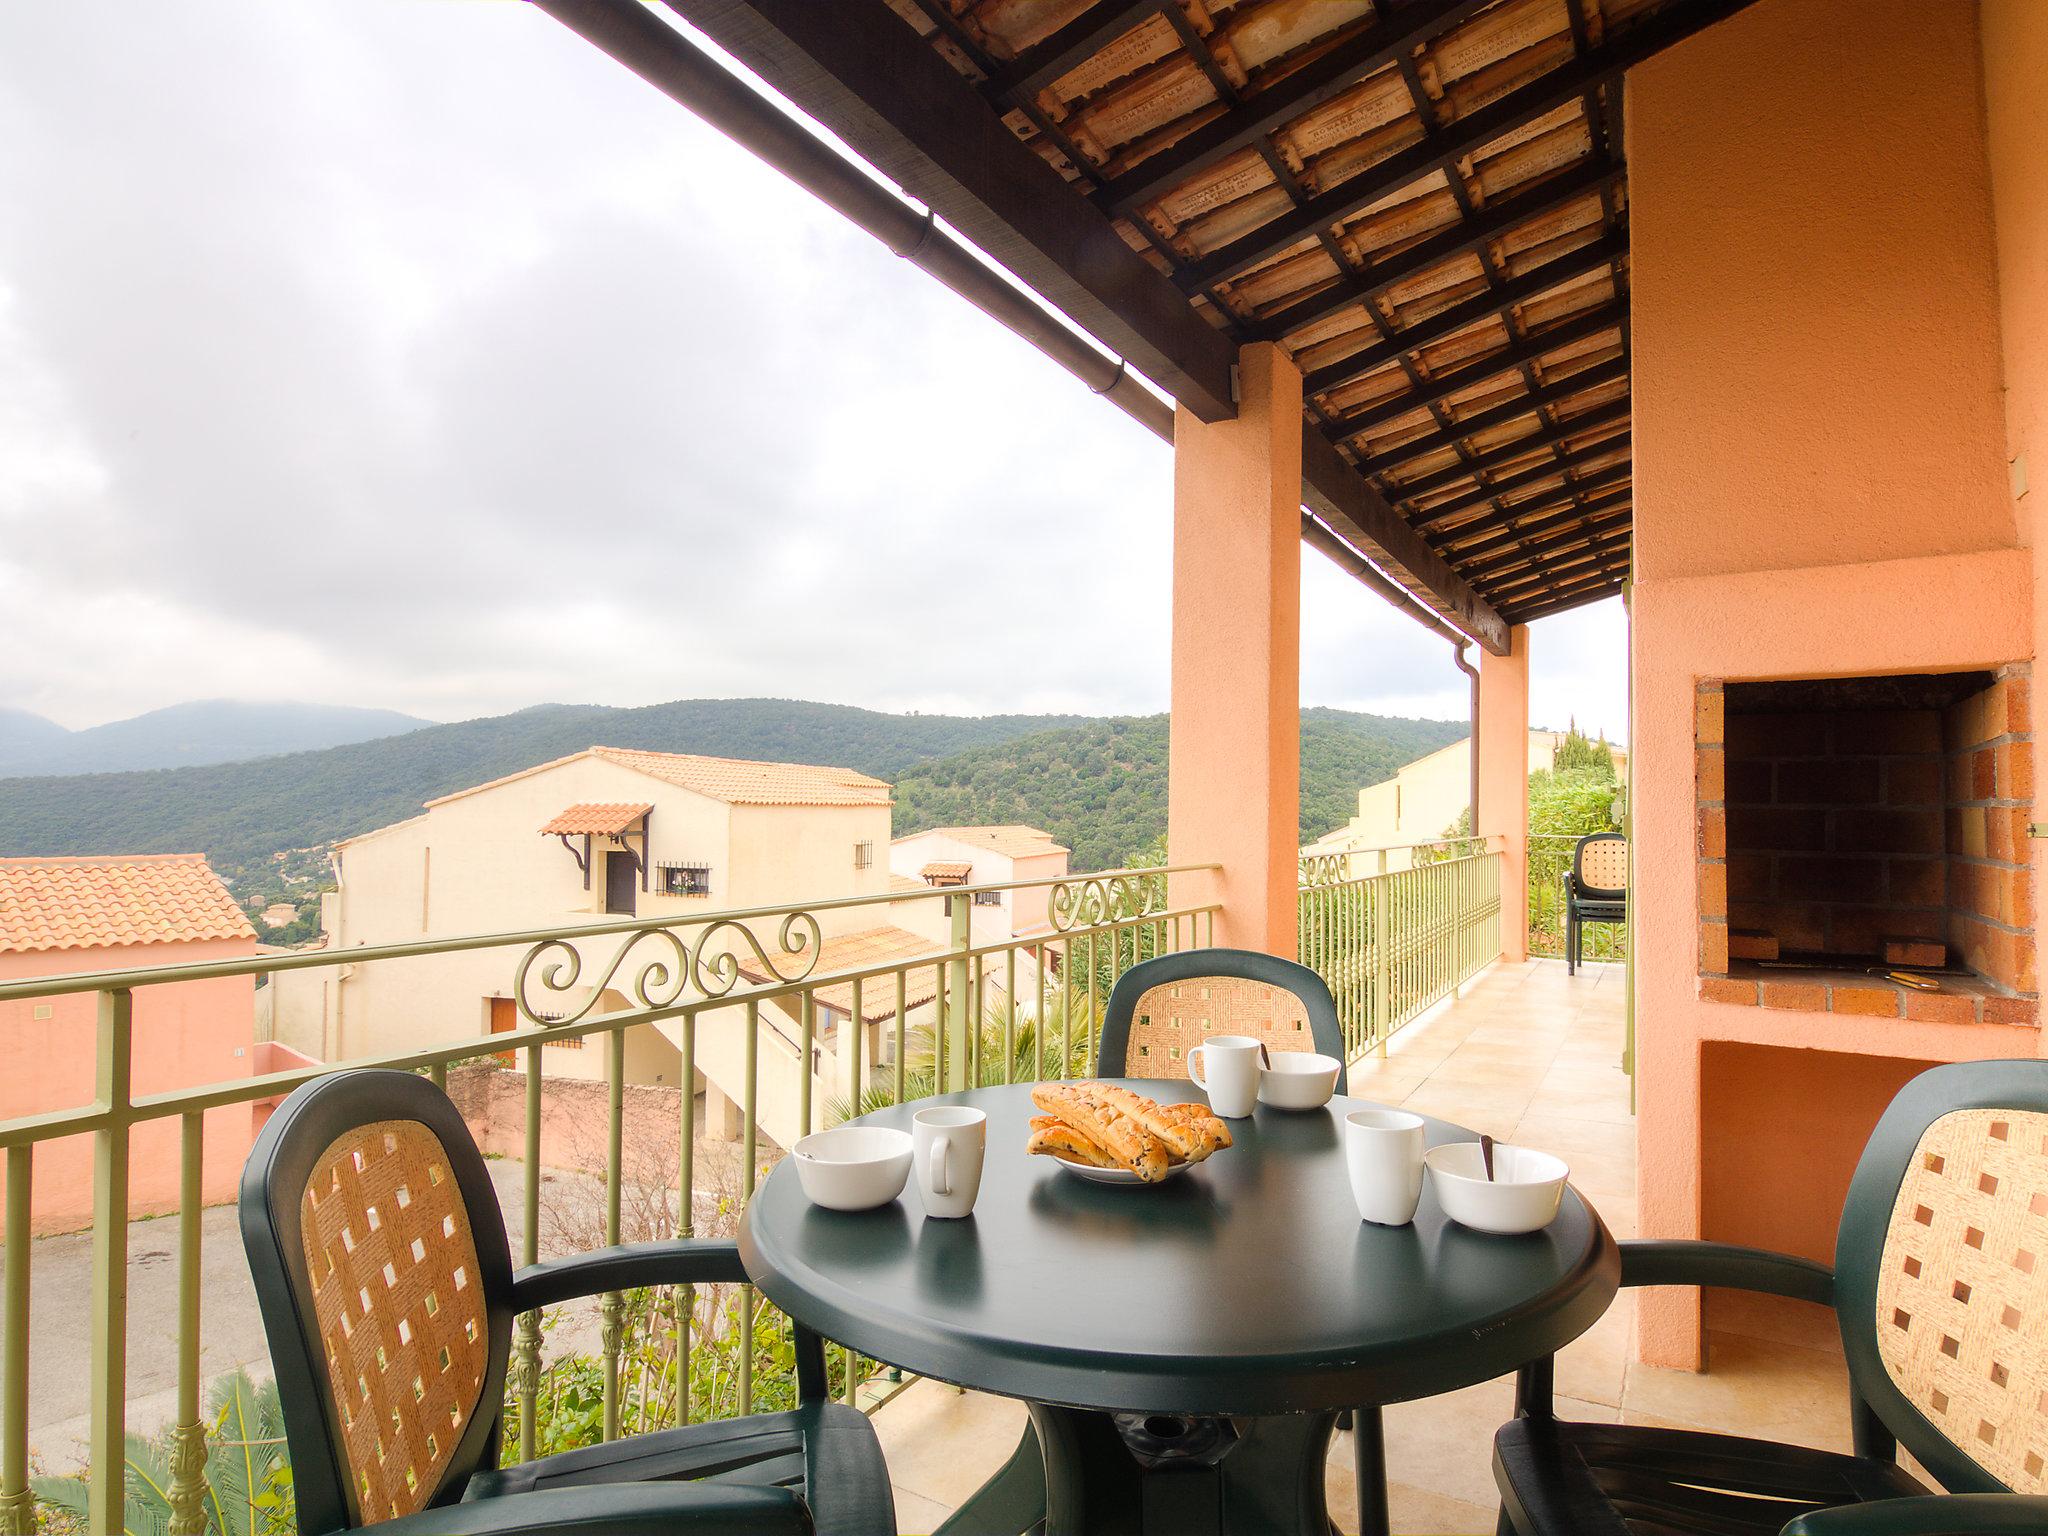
1940,1288
387,1293
1161,1009
1595,889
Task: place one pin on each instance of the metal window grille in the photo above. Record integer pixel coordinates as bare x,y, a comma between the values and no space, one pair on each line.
863,853
988,898
685,879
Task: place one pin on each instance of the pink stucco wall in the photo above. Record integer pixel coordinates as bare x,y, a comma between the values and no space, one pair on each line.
1819,447
185,1035
1504,782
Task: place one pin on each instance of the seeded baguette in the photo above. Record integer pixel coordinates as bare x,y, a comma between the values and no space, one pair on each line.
1128,1143
1184,1138
1058,1139
1202,1123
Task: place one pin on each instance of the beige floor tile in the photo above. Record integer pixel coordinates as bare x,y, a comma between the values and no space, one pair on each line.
1593,1366
917,1515
1444,1445
944,1444
1798,1323
1752,1387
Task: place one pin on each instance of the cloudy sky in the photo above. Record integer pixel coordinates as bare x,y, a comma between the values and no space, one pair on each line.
411,353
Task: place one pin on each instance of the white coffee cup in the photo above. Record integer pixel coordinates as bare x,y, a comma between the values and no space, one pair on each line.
948,1142
1383,1155
1226,1067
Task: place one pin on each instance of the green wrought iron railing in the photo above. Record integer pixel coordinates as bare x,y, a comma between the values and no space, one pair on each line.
1013,1008
1393,942
1550,859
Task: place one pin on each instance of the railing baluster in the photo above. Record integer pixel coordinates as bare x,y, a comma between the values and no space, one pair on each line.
611,1309
1010,1015
902,991
107,1472
187,1496
748,1105
686,1206
809,1033
526,1329
853,1040
17,1503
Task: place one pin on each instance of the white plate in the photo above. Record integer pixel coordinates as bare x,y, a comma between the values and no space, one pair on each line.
1117,1175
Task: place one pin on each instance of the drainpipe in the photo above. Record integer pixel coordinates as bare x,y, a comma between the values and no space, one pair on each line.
1472,672
687,75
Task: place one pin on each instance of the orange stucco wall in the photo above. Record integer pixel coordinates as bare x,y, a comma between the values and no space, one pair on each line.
1504,782
1819,443
185,1035
1234,769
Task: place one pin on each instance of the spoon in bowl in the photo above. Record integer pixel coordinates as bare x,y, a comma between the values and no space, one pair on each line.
1486,1154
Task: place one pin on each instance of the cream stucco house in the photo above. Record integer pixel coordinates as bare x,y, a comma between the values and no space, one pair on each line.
604,832
1425,799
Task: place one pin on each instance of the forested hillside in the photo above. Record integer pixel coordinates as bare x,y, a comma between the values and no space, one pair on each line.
1100,787
1098,784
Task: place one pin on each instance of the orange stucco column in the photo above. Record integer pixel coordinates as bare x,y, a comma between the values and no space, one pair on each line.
1504,782
1234,771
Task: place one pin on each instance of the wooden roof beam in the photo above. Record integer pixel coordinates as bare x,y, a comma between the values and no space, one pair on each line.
1572,593
1612,316
1572,518
1597,593
1300,90
861,71
1554,393
1060,50
1615,413
1474,131
1487,304
1589,532
1569,502
1427,518
1458,239
1588,481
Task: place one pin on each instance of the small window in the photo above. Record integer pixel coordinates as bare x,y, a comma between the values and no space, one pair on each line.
863,853
988,898
685,879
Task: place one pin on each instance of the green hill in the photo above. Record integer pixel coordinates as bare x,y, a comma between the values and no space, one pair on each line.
1100,787
1097,784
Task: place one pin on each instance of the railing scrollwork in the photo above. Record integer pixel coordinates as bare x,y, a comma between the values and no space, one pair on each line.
1320,869
681,959
1086,903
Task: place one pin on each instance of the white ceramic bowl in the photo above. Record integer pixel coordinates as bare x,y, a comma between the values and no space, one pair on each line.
1523,1196
853,1167
1298,1080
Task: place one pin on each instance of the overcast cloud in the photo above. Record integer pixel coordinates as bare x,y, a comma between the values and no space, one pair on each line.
416,355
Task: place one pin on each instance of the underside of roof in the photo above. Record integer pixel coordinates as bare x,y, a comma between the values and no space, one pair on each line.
1424,202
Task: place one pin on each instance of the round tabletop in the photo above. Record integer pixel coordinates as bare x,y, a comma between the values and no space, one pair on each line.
1246,1285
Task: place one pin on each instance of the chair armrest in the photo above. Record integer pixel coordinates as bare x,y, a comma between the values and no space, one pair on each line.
1691,1262
1953,1514
685,1261
617,1509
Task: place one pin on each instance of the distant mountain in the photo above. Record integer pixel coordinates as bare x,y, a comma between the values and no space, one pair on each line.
189,735
24,735
1100,786
240,813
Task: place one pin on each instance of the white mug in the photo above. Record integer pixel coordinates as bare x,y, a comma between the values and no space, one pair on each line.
1229,1073
1383,1155
948,1141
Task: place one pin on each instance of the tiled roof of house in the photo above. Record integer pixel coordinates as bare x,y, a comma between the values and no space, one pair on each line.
904,883
1014,842
737,781
858,951
598,820
946,869
94,903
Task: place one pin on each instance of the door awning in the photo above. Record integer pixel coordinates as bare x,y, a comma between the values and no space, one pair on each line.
593,820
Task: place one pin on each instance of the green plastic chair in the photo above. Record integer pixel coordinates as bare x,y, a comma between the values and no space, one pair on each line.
1940,1286
1161,1008
387,1293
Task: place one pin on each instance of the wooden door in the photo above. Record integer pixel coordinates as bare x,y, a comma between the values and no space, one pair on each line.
621,883
504,1019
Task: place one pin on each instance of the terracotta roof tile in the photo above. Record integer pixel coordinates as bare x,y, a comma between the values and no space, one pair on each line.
737,781
1014,842
858,951
946,869
92,903
599,820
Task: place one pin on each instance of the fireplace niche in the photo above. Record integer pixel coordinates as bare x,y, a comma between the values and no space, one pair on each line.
1855,827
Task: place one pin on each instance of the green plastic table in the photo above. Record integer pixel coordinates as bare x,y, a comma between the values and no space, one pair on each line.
1184,1348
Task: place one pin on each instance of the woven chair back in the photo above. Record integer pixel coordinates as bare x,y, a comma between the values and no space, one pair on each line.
1602,863
1171,1020
400,1308
1962,1291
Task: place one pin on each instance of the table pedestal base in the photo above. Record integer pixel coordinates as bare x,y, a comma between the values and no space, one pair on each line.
1073,1475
